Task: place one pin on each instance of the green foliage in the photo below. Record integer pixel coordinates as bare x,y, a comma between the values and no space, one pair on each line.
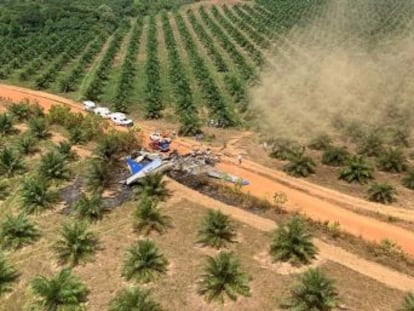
408,304
39,127
408,180
222,278
8,275
315,292
17,231
153,186
65,149
300,166
90,208
371,145
27,144
6,124
381,193
144,262
4,190
11,162
357,170
293,243
63,291
392,160
98,175
133,298
21,111
335,156
321,142
283,149
53,166
216,230
148,217
36,195
115,144
76,244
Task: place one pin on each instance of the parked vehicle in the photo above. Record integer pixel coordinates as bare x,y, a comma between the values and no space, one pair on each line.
89,105
103,112
119,118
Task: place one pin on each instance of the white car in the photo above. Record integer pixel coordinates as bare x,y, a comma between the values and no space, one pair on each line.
103,112
119,118
89,105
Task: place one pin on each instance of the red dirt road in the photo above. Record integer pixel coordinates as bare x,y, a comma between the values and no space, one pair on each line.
314,201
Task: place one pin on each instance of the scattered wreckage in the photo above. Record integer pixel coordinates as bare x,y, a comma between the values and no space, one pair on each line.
195,163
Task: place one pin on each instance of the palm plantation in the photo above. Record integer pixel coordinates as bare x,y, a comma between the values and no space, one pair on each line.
36,195
8,275
91,208
133,298
293,243
223,277
144,262
17,231
53,166
216,230
314,291
148,217
76,244
63,291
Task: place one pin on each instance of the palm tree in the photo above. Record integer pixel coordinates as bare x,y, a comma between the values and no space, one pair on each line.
300,166
144,262
392,160
17,231
335,156
6,124
321,142
65,149
63,291
222,278
90,208
27,144
382,193
283,149
36,196
98,175
10,162
21,111
372,145
53,166
148,217
133,298
408,304
216,230
293,242
408,180
315,291
76,244
8,275
153,186
357,170
39,128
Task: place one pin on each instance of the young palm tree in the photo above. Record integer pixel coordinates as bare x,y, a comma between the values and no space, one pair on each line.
10,162
382,193
6,124
90,208
315,291
36,196
322,142
133,298
335,156
392,160
144,262
300,166
53,166
8,275
357,170
148,217
21,111
408,180
293,242
76,244
17,231
216,230
27,144
98,175
65,149
222,278
408,304
371,145
39,128
283,149
63,291
153,186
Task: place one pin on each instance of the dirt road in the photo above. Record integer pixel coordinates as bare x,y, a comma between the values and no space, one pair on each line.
314,201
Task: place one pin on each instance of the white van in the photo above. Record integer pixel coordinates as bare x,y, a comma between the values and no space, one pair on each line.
103,112
89,105
119,118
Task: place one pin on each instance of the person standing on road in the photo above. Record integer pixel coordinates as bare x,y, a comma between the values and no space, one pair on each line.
239,159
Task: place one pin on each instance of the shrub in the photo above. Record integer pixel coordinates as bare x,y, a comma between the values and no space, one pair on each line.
382,193
408,180
216,230
392,160
335,156
357,170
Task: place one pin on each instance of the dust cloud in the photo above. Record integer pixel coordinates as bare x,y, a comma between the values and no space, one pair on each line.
352,62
